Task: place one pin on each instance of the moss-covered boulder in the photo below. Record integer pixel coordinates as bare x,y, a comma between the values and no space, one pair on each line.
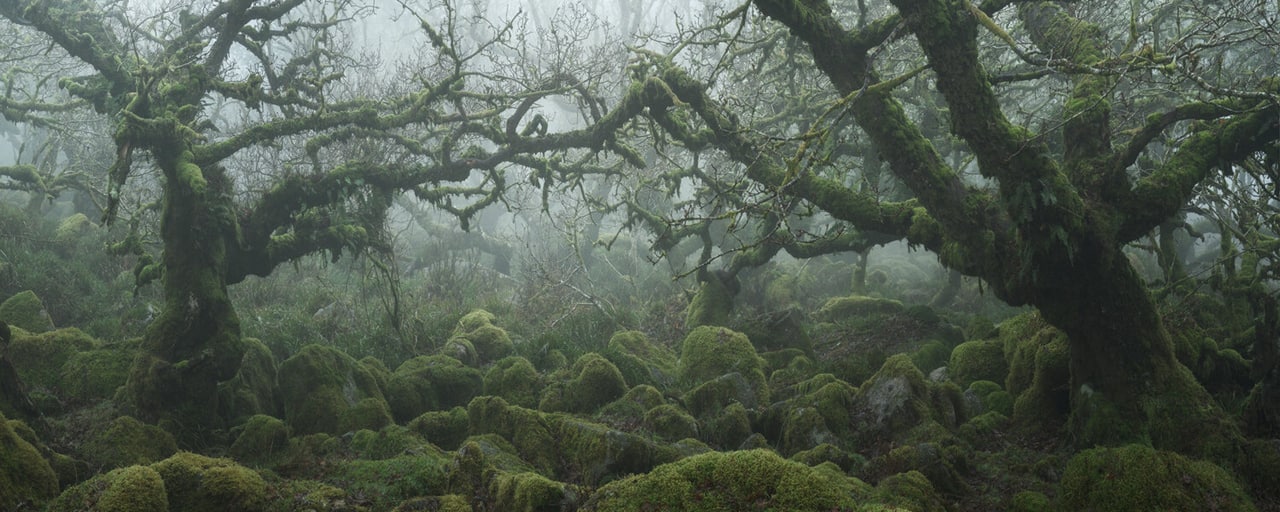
25,311
39,358
259,440
197,483
446,429
640,360
594,453
320,385
1046,401
527,492
843,309
253,389
26,479
731,481
95,374
708,352
821,416
1020,338
489,341
595,382
1137,477
978,360
128,489
779,330
909,491
670,423
893,400
126,441
527,430
427,383
515,379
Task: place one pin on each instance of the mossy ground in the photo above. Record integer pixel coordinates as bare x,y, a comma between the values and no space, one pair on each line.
702,420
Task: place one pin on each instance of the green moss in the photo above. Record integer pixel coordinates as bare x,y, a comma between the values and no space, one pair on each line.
427,383
476,333
910,490
933,354
709,352
596,382
894,400
819,416
197,483
307,495
1029,501
978,360
743,480
71,229
253,389
370,413
474,320
711,306
728,428
25,311
640,360
1021,337
595,453
846,309
445,429
39,358
1137,477
526,492
461,349
319,385
514,379
25,477
829,453
446,503
1259,468
1046,401
128,489
710,397
126,442
260,439
391,441
526,429
670,422
95,374
384,483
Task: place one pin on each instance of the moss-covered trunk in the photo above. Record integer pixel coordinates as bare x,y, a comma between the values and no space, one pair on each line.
1126,383
195,343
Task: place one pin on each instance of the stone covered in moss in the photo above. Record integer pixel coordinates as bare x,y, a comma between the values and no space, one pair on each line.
732,481
821,415
712,305
128,489
446,503
295,495
489,341
978,360
446,429
779,330
708,352
253,389
829,453
893,400
843,309
670,422
911,491
39,358
260,439
526,429
197,483
25,311
595,382
428,383
1137,477
640,360
514,379
988,396
1020,338
126,442
319,385
1047,401
25,477
385,482
95,374
526,492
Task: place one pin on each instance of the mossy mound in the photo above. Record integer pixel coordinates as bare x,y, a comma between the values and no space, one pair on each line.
253,389
640,360
1020,338
39,358
383,483
892,401
126,442
197,483
1137,477
1046,401
730,481
26,479
779,330
321,388
670,422
595,382
515,380
25,311
128,489
260,440
95,374
978,360
71,229
527,430
445,429
711,305
708,352
820,416
489,341
428,383
844,309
